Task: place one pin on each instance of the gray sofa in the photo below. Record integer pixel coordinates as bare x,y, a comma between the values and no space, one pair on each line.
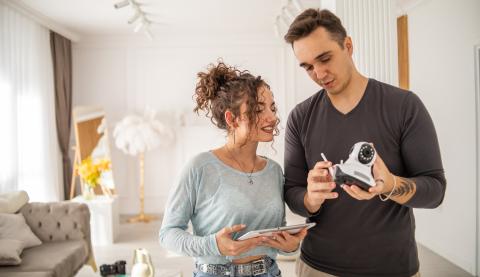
64,229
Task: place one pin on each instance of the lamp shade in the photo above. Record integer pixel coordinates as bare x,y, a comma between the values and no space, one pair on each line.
136,134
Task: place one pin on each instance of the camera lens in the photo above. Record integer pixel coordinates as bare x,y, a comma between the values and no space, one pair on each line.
366,153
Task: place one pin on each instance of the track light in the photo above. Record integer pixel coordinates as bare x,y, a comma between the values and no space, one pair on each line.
134,17
297,5
276,29
121,4
288,13
143,22
138,16
285,21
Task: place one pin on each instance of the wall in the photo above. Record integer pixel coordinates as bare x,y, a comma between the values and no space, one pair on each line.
442,35
124,75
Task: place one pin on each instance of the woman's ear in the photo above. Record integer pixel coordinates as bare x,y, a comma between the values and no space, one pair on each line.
230,119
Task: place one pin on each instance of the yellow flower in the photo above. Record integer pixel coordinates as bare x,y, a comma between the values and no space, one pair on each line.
90,171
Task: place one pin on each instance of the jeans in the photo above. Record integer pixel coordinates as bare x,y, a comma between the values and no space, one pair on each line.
273,271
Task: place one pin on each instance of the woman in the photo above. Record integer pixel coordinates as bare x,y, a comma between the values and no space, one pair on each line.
231,190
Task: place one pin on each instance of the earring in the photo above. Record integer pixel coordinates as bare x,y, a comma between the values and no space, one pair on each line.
234,136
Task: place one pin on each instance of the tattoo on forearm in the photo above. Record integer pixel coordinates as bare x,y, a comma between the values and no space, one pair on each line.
405,187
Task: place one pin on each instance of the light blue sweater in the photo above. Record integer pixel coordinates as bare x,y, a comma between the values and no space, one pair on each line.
213,195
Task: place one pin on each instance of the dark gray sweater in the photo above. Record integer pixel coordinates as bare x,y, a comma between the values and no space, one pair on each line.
364,238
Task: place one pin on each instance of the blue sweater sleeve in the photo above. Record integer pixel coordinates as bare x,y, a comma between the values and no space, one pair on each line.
180,208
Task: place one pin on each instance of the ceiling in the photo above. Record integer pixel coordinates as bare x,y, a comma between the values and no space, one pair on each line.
99,17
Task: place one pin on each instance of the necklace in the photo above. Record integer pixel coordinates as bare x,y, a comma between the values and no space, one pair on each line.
249,175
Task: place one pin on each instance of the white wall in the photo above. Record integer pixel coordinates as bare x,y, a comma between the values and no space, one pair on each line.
124,75
442,35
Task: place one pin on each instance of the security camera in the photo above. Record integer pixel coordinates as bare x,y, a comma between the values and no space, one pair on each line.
357,170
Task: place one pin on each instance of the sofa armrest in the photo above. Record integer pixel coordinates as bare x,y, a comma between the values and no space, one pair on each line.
56,221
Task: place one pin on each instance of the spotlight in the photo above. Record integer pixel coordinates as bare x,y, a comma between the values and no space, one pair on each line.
276,29
285,21
140,25
121,4
288,13
134,17
297,5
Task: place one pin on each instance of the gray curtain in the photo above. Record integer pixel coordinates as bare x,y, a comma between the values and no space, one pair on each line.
62,70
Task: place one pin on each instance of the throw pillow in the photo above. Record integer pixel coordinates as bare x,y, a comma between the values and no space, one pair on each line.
11,202
10,251
13,226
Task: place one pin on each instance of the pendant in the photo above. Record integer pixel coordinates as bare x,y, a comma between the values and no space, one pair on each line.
250,180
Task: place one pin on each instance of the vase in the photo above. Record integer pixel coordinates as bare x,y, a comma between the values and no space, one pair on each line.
88,192
142,264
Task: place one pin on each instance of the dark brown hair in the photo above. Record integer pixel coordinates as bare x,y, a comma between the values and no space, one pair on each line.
309,20
223,88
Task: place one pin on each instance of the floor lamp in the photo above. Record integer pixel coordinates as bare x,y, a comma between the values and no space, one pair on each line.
142,217
135,135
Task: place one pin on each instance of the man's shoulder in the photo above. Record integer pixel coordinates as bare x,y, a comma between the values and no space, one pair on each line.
388,89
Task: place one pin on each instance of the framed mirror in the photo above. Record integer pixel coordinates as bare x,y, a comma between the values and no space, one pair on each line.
91,141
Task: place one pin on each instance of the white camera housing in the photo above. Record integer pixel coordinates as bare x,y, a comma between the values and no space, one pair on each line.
357,169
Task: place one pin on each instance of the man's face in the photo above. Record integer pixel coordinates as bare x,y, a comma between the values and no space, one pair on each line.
325,61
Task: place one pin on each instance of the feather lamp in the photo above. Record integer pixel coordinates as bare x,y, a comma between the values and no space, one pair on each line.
136,134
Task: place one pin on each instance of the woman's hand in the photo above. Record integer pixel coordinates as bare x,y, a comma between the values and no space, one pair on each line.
230,247
284,241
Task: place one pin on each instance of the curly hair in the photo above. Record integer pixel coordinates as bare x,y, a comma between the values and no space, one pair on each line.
223,88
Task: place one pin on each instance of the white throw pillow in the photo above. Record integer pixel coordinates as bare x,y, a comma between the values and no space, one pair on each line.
10,251
11,202
13,226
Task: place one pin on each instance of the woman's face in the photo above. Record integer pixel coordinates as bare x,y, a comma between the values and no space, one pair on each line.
267,120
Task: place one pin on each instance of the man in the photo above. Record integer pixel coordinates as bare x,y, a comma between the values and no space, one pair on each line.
357,234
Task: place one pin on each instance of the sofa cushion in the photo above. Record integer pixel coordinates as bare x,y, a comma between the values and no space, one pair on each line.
11,202
60,258
13,226
31,274
10,251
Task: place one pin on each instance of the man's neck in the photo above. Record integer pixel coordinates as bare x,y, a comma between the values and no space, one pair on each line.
348,99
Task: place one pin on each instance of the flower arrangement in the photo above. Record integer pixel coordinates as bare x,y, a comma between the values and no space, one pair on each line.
91,172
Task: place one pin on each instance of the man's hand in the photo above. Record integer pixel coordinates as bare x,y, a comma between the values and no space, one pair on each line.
319,187
383,179
229,247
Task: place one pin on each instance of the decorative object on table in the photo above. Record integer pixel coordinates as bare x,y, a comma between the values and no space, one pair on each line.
136,134
116,269
92,171
91,136
142,264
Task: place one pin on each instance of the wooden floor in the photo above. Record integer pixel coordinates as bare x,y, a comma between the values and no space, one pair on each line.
138,235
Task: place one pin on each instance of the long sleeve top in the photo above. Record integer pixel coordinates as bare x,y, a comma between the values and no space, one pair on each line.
212,195
364,238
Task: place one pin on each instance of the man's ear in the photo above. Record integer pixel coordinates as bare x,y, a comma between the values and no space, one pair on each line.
348,44
230,119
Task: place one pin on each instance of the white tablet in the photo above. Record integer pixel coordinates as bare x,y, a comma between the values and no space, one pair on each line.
292,229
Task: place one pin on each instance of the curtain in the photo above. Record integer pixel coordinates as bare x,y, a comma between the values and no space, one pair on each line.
29,154
62,68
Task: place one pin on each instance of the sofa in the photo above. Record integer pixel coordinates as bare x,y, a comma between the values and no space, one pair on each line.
64,229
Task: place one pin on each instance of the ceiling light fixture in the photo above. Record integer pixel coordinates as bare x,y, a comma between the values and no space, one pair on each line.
138,16
134,17
276,29
121,4
297,5
140,25
287,15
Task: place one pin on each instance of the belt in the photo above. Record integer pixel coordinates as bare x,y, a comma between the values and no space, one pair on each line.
254,268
